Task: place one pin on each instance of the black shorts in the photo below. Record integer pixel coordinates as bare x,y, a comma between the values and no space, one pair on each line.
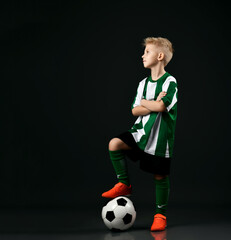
148,163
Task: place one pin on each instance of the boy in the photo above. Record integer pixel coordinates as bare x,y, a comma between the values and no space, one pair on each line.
151,138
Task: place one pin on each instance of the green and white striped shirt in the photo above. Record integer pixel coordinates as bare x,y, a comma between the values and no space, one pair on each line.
155,132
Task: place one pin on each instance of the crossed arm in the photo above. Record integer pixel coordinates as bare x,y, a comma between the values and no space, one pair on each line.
147,107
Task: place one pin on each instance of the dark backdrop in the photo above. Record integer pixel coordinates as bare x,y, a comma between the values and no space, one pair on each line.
69,74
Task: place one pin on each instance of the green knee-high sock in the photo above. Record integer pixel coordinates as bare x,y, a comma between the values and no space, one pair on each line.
162,195
120,165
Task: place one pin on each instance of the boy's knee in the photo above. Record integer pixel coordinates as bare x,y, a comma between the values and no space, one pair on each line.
159,177
114,144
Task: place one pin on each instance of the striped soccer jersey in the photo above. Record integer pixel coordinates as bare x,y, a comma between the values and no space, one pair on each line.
154,133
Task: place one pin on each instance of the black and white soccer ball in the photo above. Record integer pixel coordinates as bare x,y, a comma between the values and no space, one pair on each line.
119,213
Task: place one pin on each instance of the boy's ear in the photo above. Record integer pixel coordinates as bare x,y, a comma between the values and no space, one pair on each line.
160,56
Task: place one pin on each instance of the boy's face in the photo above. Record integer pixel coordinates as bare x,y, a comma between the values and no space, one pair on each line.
151,56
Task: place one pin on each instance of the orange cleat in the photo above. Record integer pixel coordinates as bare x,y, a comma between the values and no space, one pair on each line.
120,189
159,222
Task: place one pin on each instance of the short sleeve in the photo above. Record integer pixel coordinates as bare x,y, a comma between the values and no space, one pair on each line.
170,99
139,94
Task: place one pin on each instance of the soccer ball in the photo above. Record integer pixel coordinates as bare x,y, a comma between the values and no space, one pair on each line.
119,213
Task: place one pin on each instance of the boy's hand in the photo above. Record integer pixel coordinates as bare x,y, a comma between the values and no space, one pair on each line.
162,94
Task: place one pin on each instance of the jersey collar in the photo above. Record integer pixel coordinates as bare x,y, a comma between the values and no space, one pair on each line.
159,79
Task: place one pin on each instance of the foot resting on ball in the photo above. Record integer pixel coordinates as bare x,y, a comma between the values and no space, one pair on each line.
159,223
120,189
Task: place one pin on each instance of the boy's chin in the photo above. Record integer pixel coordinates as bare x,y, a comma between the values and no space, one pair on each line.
147,67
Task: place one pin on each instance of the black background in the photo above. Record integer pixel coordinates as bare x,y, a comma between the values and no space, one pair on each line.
69,74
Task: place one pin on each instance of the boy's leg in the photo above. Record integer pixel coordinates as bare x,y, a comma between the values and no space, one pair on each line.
120,165
162,193
117,156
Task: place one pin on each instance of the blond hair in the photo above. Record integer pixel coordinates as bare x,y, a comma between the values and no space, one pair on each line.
164,44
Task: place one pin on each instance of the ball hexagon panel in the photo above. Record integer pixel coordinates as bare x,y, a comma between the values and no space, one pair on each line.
112,204
118,223
103,213
107,223
130,208
120,211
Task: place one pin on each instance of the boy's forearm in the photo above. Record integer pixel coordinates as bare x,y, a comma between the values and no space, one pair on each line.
140,111
154,106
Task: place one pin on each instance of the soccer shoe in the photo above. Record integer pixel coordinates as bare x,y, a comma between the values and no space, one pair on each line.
159,222
120,189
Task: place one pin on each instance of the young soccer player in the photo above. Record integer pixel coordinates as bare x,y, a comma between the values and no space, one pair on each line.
151,138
